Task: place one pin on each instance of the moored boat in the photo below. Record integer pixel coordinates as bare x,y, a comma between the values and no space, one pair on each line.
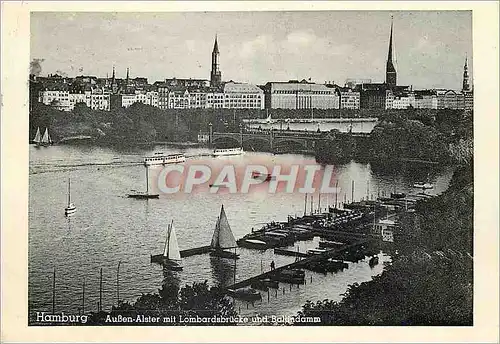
70,208
144,195
248,294
228,151
253,243
223,238
171,256
158,159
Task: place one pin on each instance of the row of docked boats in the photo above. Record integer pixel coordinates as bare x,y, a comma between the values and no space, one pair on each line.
277,235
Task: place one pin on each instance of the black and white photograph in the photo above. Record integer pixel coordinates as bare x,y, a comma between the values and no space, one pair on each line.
251,168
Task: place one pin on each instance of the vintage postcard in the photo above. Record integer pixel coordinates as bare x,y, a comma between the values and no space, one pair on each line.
253,165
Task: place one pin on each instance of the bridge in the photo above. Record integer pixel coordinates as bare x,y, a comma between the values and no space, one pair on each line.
275,139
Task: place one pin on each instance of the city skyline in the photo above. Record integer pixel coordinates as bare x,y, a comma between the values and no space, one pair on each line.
429,47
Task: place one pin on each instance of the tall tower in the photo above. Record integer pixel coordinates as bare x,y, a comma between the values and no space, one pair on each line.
127,76
465,82
215,74
390,71
114,85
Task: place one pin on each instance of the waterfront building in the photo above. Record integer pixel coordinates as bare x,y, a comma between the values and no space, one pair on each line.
296,94
162,96
215,99
178,98
57,97
242,96
128,99
425,99
450,99
349,99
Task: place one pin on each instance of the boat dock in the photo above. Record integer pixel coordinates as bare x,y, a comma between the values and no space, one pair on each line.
299,264
284,252
195,251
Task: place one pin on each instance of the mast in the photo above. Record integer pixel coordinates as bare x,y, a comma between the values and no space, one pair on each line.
336,192
165,249
147,181
69,191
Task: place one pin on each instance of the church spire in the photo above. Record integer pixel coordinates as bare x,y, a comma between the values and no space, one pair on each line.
390,71
215,74
216,46
465,82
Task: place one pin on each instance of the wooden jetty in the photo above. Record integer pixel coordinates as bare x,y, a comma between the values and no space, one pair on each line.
292,253
195,251
269,274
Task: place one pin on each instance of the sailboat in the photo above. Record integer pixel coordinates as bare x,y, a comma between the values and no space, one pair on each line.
38,137
45,140
171,255
71,208
146,195
223,238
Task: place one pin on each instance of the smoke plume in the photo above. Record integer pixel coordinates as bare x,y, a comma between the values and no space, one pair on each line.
36,66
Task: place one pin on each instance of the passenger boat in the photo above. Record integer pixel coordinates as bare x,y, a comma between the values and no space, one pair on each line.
248,294
159,159
171,256
223,238
144,195
70,208
44,140
421,185
228,151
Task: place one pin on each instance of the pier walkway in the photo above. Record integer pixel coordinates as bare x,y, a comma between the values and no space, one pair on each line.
328,254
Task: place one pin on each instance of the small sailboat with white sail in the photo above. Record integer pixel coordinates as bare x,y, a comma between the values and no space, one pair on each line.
144,195
223,238
38,137
70,208
171,256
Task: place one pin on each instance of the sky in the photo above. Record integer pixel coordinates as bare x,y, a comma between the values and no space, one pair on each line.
257,47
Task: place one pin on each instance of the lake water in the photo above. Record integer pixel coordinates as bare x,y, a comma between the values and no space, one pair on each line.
109,228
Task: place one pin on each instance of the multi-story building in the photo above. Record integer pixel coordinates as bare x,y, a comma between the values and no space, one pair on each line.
178,98
243,96
300,95
349,99
425,99
215,99
450,99
57,97
62,99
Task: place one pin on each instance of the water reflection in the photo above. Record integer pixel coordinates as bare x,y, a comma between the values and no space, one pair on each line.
223,271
